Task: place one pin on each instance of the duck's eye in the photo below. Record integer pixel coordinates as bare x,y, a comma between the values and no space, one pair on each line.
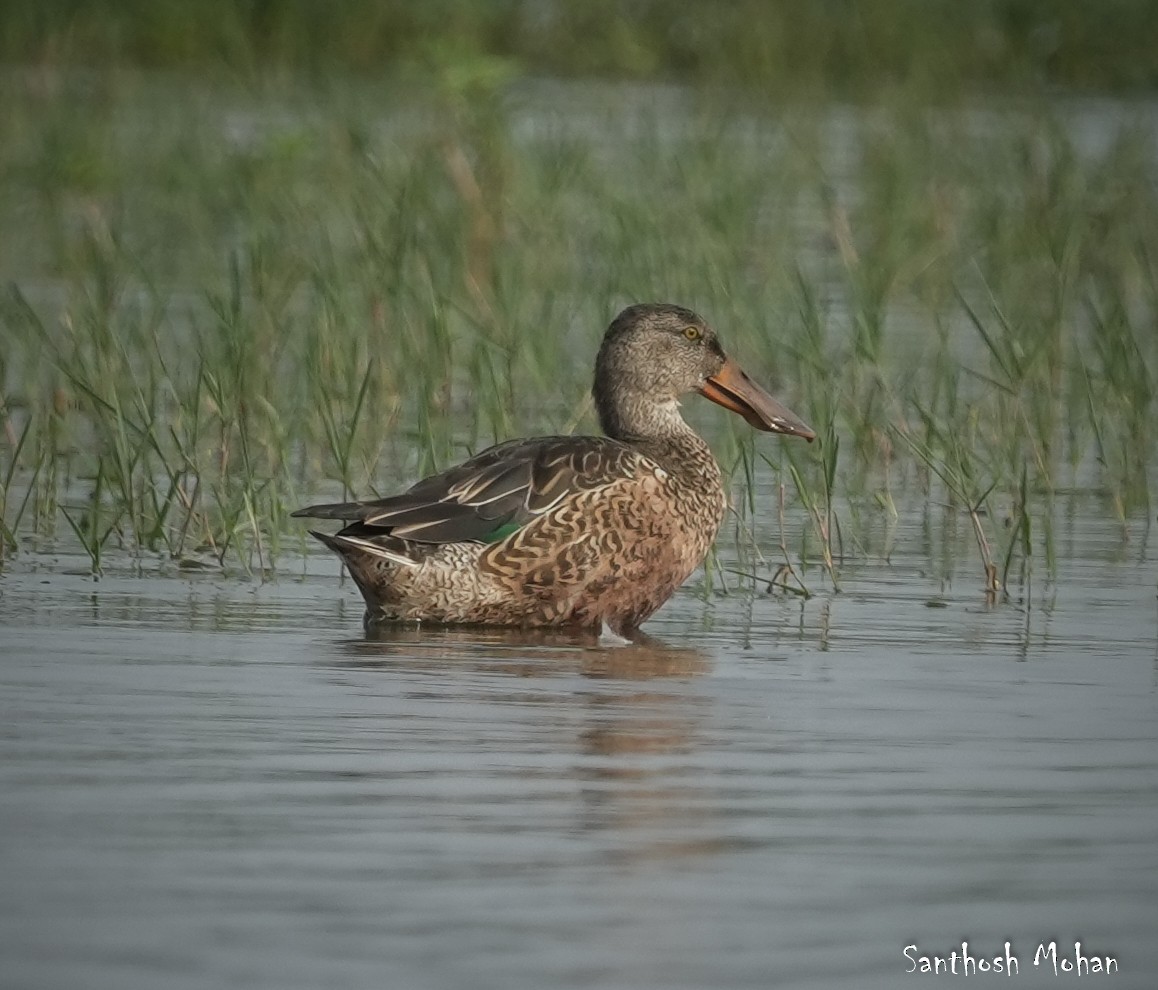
693,333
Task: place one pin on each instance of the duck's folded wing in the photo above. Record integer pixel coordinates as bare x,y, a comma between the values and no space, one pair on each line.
488,496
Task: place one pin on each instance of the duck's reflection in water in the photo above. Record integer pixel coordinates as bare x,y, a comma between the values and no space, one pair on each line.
521,652
616,726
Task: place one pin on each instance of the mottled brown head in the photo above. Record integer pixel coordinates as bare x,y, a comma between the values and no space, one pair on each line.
653,353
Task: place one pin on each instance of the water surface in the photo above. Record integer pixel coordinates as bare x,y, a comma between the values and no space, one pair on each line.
212,783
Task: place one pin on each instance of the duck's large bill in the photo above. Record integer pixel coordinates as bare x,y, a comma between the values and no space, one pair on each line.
733,389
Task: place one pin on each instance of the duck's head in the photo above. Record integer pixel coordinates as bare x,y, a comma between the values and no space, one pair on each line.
653,353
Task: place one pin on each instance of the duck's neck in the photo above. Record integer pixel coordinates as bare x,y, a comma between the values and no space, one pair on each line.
658,429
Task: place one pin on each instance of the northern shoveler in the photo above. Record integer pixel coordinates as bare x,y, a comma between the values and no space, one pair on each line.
572,530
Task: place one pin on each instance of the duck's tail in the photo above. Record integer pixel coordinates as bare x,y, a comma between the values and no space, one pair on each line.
348,546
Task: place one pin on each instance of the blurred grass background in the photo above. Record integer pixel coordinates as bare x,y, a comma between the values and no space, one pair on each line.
257,253
844,48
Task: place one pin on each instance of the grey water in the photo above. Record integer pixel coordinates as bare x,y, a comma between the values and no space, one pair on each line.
207,783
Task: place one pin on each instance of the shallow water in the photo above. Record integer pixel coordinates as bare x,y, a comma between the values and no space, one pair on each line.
207,783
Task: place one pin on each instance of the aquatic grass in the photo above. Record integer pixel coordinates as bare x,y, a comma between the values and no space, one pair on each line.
820,505
947,454
786,578
324,293
1127,398
88,523
10,523
743,515
1020,536
341,433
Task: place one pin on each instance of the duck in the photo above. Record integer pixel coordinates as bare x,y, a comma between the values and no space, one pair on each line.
567,531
